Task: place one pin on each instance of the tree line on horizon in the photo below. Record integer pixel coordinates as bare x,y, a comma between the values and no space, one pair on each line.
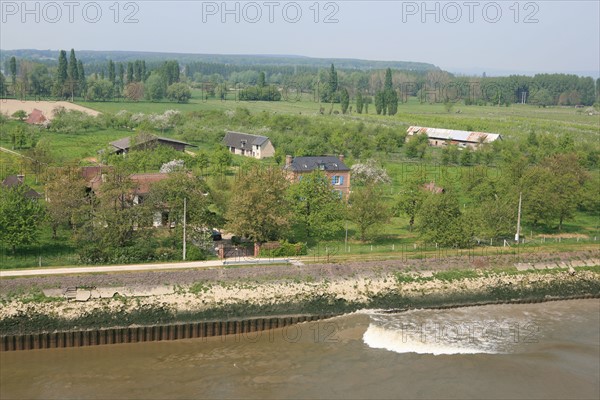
138,79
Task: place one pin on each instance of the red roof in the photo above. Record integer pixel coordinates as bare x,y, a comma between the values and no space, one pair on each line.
36,117
142,182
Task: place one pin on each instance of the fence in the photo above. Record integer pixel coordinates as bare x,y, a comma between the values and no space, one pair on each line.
328,252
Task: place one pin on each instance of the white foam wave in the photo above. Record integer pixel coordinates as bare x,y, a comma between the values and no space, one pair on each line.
399,341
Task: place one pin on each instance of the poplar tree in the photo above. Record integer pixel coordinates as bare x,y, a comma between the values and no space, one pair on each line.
81,77
73,74
13,71
62,73
111,72
359,102
344,100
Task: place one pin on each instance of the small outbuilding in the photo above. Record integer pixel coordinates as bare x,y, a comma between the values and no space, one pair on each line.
36,117
123,146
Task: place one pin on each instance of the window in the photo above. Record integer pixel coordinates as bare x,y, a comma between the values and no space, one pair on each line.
337,180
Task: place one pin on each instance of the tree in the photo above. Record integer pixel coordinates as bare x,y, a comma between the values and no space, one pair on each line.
20,217
388,85
391,101
62,74
261,79
551,190
66,198
411,198
138,71
121,76
359,102
3,85
73,72
13,72
99,90
171,193
110,231
259,207
499,216
220,159
134,91
380,103
154,87
169,72
542,98
466,157
41,81
369,173
368,209
344,100
112,73
81,77
317,208
179,92
332,82
440,221
130,78
20,115
417,146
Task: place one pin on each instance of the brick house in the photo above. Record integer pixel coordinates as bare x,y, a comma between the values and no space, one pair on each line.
333,167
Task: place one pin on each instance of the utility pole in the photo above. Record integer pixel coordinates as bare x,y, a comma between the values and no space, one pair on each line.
184,223
518,221
346,240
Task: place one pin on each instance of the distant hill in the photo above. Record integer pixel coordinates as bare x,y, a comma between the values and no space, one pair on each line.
90,56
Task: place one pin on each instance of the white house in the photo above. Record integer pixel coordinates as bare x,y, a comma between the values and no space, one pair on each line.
248,145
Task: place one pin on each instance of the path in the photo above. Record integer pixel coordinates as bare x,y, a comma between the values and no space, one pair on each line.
142,267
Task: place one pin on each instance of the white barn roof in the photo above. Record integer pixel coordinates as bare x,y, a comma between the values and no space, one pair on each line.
451,134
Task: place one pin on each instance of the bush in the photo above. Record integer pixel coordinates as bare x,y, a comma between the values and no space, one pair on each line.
285,249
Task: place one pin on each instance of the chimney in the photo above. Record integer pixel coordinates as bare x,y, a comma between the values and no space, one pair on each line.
341,157
288,160
21,178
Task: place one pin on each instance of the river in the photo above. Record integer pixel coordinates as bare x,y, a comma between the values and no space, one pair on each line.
546,350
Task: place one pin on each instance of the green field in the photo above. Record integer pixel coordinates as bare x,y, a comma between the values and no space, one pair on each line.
509,121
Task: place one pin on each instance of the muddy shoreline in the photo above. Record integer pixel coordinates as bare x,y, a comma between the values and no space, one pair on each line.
225,294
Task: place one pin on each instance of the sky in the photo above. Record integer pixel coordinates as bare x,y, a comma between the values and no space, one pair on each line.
471,37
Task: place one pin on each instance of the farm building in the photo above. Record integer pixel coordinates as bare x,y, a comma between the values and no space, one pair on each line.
332,166
36,117
248,145
122,146
442,137
12,181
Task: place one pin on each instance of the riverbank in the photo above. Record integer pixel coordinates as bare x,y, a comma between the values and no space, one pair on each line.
228,294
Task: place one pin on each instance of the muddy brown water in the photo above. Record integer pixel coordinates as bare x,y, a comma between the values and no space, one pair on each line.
546,350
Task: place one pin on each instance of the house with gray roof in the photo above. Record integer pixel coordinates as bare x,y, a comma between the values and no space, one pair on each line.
245,144
333,167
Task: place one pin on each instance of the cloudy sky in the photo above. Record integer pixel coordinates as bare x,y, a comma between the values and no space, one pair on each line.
461,36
